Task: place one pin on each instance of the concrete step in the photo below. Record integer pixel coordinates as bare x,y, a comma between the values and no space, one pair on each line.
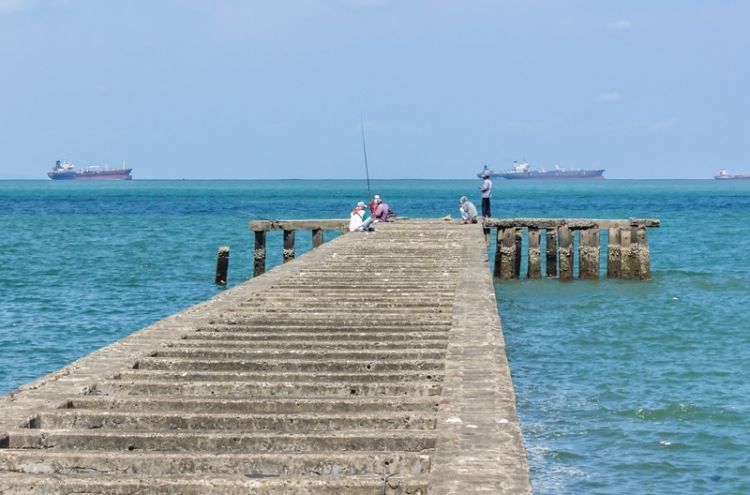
437,337
320,354
302,292
356,285
350,320
222,442
282,376
272,405
395,311
252,389
295,297
291,365
324,326
61,419
33,461
331,344
237,327
25,484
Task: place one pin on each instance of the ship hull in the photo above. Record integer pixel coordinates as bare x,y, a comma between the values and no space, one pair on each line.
123,174
553,175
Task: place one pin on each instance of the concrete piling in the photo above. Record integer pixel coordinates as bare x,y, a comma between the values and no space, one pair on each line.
588,253
222,265
614,253
498,251
629,255
535,254
565,252
519,252
551,252
644,256
259,254
288,254
317,237
508,253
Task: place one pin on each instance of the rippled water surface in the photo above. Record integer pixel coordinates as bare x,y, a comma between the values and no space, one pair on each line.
622,387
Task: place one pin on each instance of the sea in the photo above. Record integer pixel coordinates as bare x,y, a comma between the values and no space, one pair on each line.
622,386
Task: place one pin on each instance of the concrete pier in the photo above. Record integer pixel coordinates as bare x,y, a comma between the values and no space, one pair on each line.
374,364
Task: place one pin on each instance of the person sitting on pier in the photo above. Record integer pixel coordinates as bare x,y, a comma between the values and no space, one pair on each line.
357,217
468,210
383,212
374,204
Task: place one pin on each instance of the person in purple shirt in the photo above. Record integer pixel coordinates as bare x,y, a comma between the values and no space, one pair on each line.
382,211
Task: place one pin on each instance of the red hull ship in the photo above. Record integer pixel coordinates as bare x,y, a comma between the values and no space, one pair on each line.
66,171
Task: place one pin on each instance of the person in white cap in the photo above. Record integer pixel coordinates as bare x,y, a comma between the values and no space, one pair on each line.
468,210
357,217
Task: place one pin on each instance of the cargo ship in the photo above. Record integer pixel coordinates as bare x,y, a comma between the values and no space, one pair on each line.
523,171
725,175
64,170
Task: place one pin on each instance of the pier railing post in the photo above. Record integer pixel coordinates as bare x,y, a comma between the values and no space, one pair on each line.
535,254
288,245
588,253
317,237
259,254
565,252
551,253
222,265
614,253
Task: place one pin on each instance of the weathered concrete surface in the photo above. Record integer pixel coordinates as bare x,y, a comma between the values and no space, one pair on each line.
374,364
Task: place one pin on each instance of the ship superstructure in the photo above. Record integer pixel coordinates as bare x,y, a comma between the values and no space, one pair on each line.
725,175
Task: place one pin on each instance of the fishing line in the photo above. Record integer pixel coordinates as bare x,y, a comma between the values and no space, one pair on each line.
364,150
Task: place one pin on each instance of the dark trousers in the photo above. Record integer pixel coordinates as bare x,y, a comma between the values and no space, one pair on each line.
486,211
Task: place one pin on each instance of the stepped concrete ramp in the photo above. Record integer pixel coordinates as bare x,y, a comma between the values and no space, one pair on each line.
374,364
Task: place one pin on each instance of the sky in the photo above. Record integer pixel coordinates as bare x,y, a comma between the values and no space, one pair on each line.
231,89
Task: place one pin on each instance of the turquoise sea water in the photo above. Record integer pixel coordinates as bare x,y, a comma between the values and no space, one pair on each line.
623,387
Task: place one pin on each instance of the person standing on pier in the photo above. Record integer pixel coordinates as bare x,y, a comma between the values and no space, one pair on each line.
486,190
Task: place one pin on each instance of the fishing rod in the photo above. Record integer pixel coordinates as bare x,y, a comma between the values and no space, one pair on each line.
364,150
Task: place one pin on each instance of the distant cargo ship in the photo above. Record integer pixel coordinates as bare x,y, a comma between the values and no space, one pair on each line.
66,171
522,171
725,175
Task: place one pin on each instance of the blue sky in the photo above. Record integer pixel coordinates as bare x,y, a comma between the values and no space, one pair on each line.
245,89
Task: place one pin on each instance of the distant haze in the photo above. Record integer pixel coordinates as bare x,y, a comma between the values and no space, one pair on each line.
246,89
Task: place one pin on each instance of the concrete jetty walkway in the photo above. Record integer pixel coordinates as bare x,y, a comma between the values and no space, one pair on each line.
374,364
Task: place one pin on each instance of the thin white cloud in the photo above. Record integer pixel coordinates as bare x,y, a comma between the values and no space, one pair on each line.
620,25
661,125
609,97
